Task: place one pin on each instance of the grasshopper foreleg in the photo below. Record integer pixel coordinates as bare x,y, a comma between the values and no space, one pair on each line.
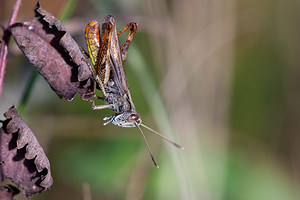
92,94
86,97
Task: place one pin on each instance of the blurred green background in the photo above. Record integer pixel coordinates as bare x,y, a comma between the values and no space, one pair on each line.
219,77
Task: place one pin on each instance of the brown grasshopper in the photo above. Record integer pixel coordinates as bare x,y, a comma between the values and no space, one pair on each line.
109,75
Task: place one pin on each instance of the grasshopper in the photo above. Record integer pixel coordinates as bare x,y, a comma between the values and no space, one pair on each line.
109,75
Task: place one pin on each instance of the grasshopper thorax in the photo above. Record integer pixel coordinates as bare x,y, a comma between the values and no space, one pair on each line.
125,119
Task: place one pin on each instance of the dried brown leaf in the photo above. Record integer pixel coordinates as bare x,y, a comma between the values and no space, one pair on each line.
54,53
23,159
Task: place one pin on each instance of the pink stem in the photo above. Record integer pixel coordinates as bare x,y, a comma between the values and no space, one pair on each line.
4,51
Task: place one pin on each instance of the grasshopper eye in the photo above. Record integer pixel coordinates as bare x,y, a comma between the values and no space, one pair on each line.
133,117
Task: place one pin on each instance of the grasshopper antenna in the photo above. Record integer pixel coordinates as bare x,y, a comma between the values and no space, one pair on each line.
164,137
152,157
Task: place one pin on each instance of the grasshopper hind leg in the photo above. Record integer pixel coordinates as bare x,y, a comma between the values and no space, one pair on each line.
133,27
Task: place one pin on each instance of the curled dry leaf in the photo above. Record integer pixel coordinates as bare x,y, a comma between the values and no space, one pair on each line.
54,53
22,158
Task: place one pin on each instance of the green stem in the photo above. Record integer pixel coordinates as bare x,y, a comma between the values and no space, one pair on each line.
68,10
160,115
27,92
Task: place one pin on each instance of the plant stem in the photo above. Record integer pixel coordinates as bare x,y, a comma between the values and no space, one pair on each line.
27,92
4,42
68,10
159,112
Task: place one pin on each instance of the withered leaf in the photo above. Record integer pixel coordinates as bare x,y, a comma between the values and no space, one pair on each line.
54,53
22,158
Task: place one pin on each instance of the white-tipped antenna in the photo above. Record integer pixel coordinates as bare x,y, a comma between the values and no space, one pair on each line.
152,157
164,137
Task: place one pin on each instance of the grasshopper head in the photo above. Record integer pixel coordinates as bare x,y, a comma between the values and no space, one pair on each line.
126,119
133,119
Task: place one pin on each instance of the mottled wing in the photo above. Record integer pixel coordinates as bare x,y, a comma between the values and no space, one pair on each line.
98,48
93,41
